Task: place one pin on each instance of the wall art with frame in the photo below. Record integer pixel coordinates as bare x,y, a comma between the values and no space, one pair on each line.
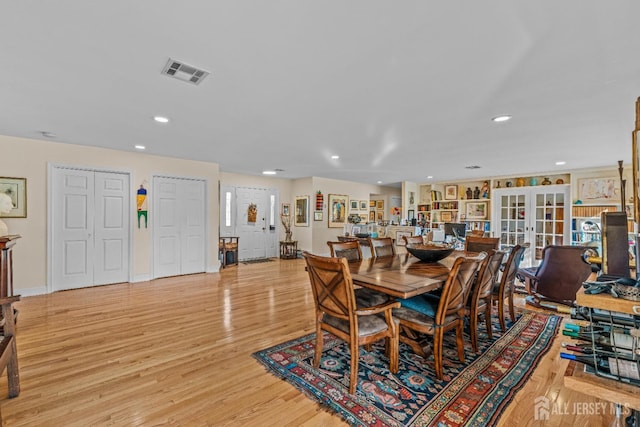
450,192
301,218
16,189
476,210
337,215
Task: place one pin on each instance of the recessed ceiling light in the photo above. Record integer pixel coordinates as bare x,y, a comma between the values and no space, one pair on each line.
334,157
161,119
268,172
430,177
140,147
503,118
560,163
379,182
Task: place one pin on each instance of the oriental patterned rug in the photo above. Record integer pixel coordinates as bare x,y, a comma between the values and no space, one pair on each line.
473,393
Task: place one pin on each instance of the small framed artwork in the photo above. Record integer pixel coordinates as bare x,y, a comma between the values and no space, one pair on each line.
363,217
317,216
372,216
372,203
337,210
476,210
598,190
411,214
446,216
450,192
354,205
285,209
16,189
301,218
363,205
399,235
380,204
380,216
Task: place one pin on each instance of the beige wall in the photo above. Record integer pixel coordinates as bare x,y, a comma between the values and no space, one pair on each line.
25,158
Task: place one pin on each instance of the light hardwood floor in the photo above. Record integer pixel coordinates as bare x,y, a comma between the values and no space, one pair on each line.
177,351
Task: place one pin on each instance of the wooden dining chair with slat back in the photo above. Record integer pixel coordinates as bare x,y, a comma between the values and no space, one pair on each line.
479,301
348,249
338,313
420,315
8,350
352,252
481,244
503,289
413,240
382,246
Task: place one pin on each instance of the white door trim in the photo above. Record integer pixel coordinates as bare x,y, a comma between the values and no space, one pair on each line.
132,202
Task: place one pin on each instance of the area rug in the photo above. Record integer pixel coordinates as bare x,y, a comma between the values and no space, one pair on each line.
473,393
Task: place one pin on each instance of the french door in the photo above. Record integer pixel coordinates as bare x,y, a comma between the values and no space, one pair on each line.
538,215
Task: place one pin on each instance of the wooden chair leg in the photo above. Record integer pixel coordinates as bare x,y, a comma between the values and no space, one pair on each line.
503,326
319,344
487,320
512,313
353,378
460,339
473,326
437,351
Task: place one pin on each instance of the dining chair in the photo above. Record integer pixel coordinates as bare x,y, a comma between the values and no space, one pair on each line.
481,244
480,299
475,233
504,287
351,251
346,249
382,246
413,240
8,349
424,314
338,313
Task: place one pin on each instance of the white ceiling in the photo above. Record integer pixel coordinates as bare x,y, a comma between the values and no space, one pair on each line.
399,89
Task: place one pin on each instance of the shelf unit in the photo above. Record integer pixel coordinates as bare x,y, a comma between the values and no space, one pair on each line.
590,234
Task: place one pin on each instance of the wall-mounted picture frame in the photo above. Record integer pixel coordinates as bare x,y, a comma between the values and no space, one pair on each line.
446,216
411,214
476,210
450,192
16,189
285,209
380,204
599,190
353,205
317,216
363,205
337,215
372,216
301,207
380,216
372,203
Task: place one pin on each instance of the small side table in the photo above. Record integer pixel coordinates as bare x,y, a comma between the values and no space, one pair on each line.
288,249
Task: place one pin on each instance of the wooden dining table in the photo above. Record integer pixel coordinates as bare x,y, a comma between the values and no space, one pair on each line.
402,275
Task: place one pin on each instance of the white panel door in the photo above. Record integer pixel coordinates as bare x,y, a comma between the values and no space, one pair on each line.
89,228
72,228
252,243
111,240
179,226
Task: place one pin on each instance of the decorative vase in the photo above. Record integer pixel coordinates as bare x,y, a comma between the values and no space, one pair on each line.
546,181
287,236
520,182
533,181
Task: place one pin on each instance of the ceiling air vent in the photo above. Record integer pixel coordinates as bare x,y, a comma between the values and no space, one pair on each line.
184,72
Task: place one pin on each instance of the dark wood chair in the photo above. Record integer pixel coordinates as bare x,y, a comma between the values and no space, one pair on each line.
503,289
481,244
346,249
382,246
427,315
559,276
413,240
8,352
480,299
338,313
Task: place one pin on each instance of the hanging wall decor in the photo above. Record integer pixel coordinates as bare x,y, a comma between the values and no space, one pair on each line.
141,202
252,213
319,201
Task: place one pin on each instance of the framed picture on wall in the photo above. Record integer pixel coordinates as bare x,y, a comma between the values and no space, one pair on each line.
337,210
476,210
317,216
363,205
372,216
446,216
285,209
353,205
450,192
16,189
301,218
380,204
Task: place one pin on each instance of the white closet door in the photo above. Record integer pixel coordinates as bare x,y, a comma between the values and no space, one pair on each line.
72,228
178,226
111,228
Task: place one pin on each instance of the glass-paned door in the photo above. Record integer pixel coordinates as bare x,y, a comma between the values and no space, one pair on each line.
550,225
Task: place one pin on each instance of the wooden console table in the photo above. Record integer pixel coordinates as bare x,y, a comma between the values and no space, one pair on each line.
6,264
288,249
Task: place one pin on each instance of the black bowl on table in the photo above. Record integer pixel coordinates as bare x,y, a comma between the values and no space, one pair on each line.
430,253
362,235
